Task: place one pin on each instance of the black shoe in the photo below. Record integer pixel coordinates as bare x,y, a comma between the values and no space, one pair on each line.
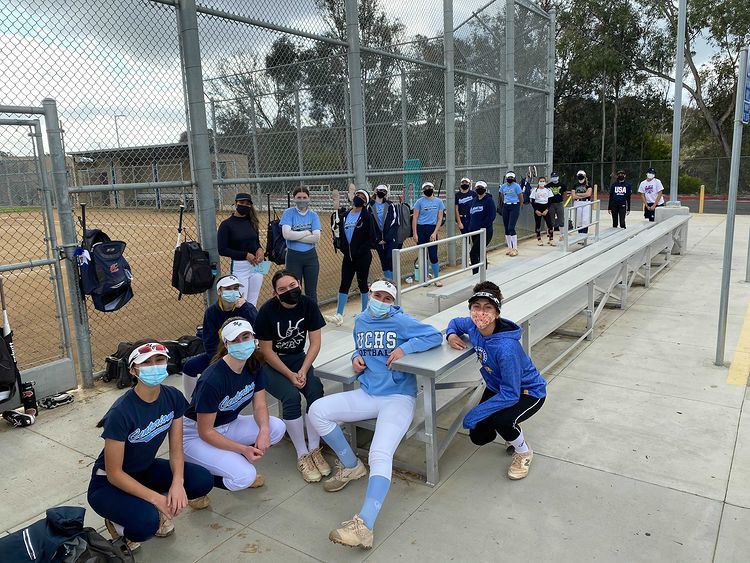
17,419
54,401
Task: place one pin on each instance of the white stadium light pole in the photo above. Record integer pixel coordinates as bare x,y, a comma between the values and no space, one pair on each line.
677,110
734,176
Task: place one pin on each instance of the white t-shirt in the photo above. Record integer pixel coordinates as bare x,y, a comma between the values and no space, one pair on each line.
652,189
541,195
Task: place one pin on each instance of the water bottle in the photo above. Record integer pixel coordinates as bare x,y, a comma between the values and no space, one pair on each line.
416,271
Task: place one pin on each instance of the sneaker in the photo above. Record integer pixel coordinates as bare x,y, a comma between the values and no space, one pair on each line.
259,482
552,242
514,252
54,401
320,462
539,242
508,251
17,419
166,527
438,284
336,319
132,545
309,471
199,503
519,467
353,533
343,475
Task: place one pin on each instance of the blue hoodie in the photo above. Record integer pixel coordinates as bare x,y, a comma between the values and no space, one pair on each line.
506,368
375,339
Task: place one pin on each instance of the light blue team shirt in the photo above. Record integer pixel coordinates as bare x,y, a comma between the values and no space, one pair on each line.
510,192
350,222
380,213
300,222
428,210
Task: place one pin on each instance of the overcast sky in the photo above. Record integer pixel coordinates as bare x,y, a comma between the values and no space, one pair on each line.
105,58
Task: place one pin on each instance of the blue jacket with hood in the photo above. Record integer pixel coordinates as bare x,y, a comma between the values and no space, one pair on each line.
374,340
506,368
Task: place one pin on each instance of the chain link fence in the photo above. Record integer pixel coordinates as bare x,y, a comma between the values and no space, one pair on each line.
288,94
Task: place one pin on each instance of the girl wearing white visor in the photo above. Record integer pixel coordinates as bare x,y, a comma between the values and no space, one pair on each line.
137,493
217,436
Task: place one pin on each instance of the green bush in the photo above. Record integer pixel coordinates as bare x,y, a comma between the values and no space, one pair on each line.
690,184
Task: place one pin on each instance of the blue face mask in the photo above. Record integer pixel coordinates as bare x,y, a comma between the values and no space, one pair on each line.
378,309
241,350
230,296
152,375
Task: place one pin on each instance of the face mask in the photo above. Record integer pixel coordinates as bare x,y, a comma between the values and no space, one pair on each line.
542,184
302,204
230,296
241,350
555,179
581,178
621,177
481,191
358,201
291,297
482,319
377,308
152,375
243,210
381,195
428,192
464,187
650,176
510,180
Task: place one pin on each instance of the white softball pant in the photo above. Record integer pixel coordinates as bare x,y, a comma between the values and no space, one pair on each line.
251,280
394,414
583,214
234,469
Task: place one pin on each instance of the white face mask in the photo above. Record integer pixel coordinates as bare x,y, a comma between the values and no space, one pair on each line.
650,176
542,184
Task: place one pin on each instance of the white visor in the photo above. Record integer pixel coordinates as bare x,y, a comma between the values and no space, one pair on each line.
581,172
383,187
235,328
480,183
428,185
364,194
145,351
510,174
384,285
465,181
227,281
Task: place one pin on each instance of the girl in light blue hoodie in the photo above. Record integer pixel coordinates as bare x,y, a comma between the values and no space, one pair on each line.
383,333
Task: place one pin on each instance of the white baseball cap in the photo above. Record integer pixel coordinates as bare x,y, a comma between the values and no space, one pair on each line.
384,285
428,185
382,187
232,330
480,183
145,351
510,174
366,195
226,281
581,172
465,181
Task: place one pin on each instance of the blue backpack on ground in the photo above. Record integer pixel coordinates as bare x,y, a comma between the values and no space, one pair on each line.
105,275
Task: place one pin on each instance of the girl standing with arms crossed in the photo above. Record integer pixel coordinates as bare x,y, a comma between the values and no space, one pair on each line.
428,216
510,201
217,436
300,226
137,493
238,239
540,202
382,335
515,388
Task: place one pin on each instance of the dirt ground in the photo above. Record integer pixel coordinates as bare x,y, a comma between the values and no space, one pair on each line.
154,312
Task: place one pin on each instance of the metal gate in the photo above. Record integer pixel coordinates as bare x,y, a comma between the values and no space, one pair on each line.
30,263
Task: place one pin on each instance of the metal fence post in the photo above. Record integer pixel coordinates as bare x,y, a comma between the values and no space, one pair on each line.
483,255
216,152
69,242
199,142
256,156
356,104
298,124
449,95
467,121
551,88
510,78
404,125
677,110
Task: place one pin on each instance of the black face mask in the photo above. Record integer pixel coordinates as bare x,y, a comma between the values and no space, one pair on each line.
428,192
621,178
510,180
464,187
291,297
358,201
381,195
481,191
243,210
581,179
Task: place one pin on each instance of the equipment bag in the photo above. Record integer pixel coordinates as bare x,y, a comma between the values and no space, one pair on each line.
336,229
191,269
7,372
98,549
193,346
104,272
275,242
404,222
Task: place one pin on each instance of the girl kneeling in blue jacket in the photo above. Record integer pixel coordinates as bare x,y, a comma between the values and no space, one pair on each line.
383,333
515,388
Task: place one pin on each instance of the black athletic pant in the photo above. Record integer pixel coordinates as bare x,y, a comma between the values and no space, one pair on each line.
476,247
359,266
280,387
542,207
504,422
618,215
650,214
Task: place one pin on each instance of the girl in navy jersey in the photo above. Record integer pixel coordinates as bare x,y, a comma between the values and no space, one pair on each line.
217,436
137,493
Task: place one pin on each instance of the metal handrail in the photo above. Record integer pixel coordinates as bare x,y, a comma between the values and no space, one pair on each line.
595,206
421,249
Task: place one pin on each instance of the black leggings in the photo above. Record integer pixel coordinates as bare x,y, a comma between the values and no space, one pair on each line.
280,387
618,215
359,266
476,247
542,207
504,422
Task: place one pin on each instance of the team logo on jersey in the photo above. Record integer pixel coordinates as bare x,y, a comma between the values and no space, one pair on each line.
290,338
231,403
154,428
476,209
376,342
481,354
467,199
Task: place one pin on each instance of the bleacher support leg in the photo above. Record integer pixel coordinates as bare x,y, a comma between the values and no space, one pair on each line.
590,311
430,430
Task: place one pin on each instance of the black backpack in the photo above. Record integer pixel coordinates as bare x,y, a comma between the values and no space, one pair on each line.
275,242
100,550
191,269
104,272
8,372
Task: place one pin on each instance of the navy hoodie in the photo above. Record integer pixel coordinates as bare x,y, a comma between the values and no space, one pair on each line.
482,213
506,368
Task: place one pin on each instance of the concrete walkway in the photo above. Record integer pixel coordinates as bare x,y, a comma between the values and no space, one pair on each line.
642,454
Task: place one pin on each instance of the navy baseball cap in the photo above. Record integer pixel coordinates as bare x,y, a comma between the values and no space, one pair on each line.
243,196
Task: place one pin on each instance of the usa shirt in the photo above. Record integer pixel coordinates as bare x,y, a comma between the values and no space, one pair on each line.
224,392
308,221
652,189
142,426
